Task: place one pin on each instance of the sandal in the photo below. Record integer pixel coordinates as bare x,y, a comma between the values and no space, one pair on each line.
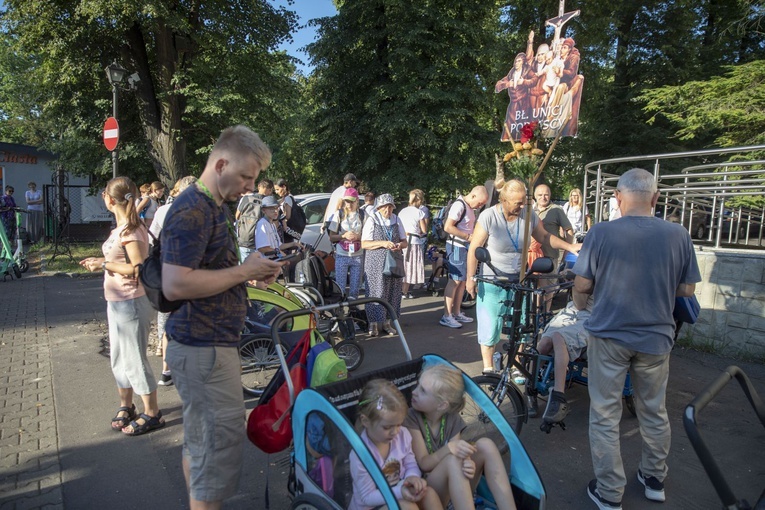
149,423
120,422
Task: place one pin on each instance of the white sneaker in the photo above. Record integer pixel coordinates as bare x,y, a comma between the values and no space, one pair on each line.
654,489
449,322
461,317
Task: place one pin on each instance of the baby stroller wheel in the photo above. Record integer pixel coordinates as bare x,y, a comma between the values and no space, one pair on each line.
350,352
310,502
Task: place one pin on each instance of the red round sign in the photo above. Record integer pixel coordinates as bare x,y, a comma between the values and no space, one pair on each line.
111,133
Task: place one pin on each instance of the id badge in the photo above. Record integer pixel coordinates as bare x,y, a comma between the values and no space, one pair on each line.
351,248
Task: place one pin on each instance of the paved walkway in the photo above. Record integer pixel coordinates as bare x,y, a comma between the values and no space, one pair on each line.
30,468
57,396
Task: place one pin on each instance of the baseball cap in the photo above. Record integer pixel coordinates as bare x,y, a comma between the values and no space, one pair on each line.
351,194
269,201
350,177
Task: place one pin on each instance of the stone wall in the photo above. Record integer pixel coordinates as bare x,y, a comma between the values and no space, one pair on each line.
732,299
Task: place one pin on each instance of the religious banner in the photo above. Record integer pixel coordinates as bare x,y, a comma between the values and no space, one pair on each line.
544,87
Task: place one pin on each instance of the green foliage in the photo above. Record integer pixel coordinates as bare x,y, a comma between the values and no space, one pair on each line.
202,67
729,109
404,94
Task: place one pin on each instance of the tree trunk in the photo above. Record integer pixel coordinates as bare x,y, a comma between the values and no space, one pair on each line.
160,116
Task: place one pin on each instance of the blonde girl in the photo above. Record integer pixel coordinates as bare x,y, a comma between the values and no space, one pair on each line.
453,466
382,409
128,310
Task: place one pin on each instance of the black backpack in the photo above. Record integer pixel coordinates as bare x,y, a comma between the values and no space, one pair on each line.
150,275
296,223
249,215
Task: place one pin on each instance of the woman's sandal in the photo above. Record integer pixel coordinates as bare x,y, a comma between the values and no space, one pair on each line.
120,422
149,423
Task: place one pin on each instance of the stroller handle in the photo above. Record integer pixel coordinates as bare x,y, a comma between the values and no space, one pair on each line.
284,316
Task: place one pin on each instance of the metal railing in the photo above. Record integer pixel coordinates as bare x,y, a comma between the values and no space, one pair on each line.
694,192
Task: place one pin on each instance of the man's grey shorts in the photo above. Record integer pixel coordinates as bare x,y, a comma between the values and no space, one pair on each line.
209,382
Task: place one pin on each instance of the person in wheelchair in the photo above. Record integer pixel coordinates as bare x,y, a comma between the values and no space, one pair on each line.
566,338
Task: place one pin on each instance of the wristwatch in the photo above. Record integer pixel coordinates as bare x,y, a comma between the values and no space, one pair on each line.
103,266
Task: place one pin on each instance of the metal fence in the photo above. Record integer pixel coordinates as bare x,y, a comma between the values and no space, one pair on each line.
696,190
72,213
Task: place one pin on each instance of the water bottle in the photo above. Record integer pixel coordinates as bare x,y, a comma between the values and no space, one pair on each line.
497,361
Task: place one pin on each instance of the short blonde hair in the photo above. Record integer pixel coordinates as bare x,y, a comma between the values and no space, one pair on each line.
447,386
416,197
182,184
242,141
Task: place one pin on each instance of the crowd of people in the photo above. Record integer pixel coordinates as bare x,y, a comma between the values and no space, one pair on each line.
210,255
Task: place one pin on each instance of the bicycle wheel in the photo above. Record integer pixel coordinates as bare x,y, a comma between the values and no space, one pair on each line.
259,363
510,403
350,352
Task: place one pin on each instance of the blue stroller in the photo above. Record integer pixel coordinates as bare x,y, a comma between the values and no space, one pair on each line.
324,435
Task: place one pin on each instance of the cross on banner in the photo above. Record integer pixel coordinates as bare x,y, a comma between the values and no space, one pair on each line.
561,19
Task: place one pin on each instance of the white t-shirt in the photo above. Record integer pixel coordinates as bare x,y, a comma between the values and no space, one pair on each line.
468,220
410,217
575,216
614,213
266,235
336,197
369,226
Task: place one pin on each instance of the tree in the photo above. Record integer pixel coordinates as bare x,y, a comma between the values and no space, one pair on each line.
403,93
729,109
202,66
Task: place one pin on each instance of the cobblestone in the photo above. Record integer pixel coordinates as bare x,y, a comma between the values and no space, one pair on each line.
29,457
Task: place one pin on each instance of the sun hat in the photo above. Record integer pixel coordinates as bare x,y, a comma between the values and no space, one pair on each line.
350,177
384,199
351,194
269,201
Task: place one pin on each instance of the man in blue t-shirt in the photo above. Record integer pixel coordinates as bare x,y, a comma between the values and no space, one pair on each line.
200,264
635,267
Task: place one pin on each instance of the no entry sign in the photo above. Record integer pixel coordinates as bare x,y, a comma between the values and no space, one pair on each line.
111,133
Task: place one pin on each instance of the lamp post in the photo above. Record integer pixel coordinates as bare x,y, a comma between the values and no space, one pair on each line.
116,75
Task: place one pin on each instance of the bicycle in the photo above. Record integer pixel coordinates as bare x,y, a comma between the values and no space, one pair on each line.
524,322
257,352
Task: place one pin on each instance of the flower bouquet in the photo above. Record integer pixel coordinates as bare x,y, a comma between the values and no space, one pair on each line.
524,161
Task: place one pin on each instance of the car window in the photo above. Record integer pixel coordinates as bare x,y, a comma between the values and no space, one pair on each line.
314,210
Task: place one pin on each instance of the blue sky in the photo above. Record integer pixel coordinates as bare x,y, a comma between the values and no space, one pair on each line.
306,10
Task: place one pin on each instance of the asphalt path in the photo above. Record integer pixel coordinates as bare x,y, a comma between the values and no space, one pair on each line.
103,469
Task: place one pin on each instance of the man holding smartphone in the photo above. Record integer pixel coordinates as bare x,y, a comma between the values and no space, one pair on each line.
200,265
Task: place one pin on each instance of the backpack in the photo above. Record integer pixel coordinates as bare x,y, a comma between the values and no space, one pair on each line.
150,275
440,219
324,365
296,223
250,213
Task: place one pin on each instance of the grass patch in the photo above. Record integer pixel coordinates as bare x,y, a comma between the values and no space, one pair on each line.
62,263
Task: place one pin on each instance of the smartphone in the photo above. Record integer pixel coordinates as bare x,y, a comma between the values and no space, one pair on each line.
287,258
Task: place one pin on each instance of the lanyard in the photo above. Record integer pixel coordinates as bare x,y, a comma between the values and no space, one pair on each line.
517,230
388,230
428,438
229,225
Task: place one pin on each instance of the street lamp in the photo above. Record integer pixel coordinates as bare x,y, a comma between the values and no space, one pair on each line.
116,75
